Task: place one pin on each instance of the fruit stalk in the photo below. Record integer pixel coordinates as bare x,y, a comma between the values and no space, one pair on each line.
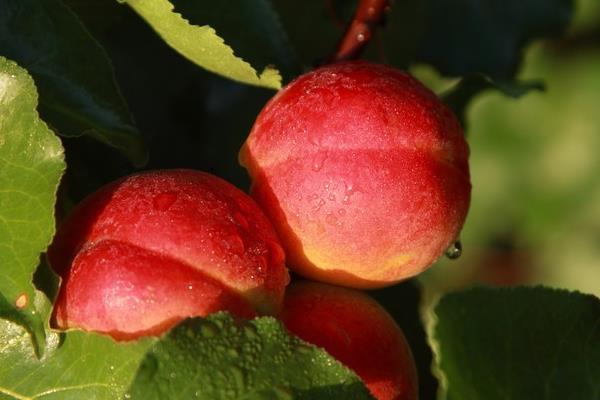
369,14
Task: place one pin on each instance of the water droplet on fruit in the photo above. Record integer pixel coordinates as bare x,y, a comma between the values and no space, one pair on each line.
319,159
331,219
360,37
348,194
241,221
455,250
163,201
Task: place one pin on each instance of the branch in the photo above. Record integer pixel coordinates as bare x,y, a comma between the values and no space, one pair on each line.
369,14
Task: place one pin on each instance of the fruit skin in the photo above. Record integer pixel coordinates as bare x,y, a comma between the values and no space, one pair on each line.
146,251
363,171
357,331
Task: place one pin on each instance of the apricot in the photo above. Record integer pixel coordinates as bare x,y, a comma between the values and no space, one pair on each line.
358,332
146,251
363,171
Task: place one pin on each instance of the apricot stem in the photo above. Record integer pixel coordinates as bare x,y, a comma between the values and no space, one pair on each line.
369,14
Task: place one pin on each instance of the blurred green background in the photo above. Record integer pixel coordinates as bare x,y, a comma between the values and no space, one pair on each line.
535,165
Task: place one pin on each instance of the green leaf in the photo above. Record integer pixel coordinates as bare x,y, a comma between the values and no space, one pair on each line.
264,41
78,92
219,358
467,88
201,44
31,164
487,36
523,343
76,365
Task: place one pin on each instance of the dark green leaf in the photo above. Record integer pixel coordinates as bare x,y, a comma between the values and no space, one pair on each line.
522,343
78,93
201,44
314,26
263,42
487,36
76,365
468,87
219,358
31,164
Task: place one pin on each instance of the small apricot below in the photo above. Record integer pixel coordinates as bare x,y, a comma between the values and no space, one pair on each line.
358,332
146,251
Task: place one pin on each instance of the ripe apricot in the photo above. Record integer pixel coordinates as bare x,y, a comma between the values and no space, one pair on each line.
358,332
146,251
363,171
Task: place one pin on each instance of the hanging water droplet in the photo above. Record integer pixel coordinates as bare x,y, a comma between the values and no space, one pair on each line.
455,250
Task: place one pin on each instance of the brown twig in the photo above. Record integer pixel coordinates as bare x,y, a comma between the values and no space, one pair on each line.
369,14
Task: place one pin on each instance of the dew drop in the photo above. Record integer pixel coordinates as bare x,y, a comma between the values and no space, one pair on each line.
331,219
454,251
251,332
318,161
208,330
360,37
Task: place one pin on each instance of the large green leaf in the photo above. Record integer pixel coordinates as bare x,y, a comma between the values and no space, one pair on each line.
220,358
31,164
523,343
78,93
487,36
201,44
75,366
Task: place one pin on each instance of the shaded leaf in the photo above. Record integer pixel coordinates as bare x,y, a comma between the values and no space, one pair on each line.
522,343
487,36
78,93
220,358
459,96
201,44
314,26
31,164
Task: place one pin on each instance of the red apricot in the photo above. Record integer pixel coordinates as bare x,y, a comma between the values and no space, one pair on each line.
363,171
358,332
146,251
